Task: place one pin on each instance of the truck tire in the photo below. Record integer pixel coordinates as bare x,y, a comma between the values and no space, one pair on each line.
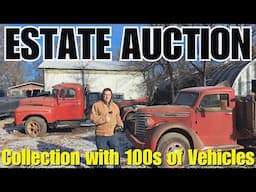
35,127
172,142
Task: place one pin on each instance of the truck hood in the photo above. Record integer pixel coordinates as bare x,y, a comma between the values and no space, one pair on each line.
168,110
39,101
125,103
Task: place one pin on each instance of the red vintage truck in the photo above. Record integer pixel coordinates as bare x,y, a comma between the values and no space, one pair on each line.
200,118
66,105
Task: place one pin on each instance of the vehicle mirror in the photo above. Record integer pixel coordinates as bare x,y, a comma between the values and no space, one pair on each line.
224,104
235,99
200,109
57,98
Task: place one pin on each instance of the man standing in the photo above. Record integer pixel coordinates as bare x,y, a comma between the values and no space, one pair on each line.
106,116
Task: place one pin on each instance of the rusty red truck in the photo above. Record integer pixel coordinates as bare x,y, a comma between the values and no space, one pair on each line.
200,118
65,105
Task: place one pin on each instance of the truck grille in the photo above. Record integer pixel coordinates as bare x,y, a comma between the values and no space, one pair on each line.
140,124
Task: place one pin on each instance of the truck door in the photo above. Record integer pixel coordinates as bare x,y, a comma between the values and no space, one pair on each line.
68,105
214,123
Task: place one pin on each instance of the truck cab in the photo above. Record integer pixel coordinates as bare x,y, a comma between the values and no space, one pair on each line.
200,118
66,104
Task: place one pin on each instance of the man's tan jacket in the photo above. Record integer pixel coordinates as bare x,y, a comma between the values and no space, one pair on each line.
106,117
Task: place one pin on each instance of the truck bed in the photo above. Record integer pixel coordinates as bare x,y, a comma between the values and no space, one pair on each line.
246,115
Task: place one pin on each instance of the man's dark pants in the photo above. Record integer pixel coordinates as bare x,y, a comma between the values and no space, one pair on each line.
108,142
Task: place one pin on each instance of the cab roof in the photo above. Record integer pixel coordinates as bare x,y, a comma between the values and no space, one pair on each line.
206,88
67,85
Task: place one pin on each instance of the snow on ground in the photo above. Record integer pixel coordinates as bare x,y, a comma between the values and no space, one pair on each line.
80,139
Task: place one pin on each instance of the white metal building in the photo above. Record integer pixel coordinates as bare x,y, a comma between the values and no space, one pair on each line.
118,76
238,74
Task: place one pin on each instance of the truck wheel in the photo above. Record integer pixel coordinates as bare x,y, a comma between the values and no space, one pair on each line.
173,142
35,126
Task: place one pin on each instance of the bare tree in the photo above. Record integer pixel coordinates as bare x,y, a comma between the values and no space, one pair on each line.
85,75
253,40
11,72
1,42
182,73
204,68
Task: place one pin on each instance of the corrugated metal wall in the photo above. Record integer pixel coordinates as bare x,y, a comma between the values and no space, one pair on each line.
243,81
238,74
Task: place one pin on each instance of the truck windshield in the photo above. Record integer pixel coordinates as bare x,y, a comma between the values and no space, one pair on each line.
186,98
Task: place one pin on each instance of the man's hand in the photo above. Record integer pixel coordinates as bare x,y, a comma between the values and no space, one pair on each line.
118,129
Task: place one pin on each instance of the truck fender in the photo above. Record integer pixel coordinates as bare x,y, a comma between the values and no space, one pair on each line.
157,132
127,112
131,109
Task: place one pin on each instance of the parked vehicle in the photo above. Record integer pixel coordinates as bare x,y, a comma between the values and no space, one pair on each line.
8,105
200,118
65,106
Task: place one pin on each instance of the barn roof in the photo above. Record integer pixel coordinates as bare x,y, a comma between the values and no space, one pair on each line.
27,83
88,65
